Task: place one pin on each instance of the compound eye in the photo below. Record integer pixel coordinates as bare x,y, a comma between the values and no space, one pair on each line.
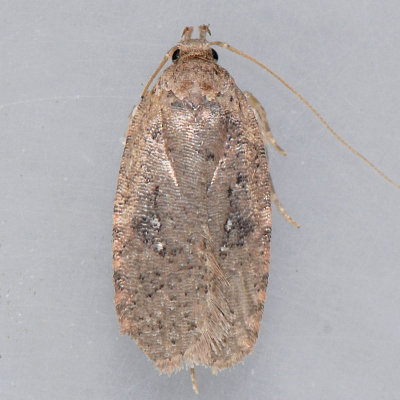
175,55
214,54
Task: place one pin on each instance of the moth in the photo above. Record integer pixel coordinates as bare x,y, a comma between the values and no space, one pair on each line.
192,214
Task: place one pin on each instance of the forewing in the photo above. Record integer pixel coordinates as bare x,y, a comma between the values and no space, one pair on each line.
240,229
158,278
191,249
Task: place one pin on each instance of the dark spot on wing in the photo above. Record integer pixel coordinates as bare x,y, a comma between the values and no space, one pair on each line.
148,225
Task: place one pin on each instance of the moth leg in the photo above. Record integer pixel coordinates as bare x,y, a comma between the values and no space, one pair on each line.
131,115
194,383
261,117
279,206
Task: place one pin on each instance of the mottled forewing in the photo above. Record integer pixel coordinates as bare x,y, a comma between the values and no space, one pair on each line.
159,278
192,230
240,229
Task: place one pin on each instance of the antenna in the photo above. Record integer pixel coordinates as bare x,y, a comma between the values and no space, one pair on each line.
314,111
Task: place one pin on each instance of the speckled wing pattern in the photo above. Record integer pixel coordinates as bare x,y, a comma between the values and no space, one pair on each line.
192,224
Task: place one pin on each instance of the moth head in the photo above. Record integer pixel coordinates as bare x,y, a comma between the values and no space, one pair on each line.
188,48
194,48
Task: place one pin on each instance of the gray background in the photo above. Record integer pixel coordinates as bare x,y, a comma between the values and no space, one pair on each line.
71,71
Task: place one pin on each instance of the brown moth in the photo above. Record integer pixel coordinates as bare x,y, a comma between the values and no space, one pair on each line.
192,214
192,217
